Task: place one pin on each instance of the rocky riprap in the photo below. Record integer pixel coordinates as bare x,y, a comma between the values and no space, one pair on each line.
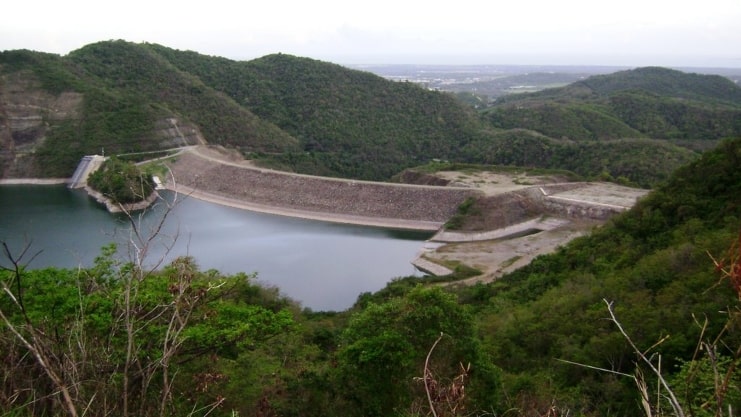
318,194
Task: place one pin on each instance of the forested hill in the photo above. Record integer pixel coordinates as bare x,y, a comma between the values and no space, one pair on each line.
652,80
114,97
667,82
655,262
135,70
650,102
349,122
315,117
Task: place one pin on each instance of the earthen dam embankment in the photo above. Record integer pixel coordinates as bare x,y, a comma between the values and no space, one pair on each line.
340,200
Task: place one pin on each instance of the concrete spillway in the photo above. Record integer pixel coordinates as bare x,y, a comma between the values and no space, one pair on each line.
88,164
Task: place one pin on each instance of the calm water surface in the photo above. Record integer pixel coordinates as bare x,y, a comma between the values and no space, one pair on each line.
325,266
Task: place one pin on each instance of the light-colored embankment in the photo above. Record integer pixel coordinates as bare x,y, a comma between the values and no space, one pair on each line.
523,223
33,181
203,176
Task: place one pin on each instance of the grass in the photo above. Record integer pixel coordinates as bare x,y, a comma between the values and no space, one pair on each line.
510,261
158,167
460,270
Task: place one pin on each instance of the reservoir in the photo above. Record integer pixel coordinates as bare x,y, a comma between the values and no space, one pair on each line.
324,266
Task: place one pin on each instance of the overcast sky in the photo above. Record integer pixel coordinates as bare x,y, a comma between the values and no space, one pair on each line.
628,32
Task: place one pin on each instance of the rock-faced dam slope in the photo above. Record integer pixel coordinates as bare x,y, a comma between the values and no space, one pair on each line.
212,175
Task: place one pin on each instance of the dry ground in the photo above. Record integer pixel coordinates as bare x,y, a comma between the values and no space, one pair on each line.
497,256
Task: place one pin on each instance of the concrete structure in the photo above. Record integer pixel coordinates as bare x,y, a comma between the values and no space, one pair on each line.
88,164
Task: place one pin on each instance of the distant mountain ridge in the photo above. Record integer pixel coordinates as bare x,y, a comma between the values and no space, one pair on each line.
668,82
653,80
315,117
649,102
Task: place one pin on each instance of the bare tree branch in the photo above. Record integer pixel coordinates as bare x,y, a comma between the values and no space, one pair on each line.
672,398
427,375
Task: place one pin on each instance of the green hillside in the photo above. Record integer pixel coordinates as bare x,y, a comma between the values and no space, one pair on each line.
129,97
670,83
349,123
133,69
353,123
653,262
315,117
643,162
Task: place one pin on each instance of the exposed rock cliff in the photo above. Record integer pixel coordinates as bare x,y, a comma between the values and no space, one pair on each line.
27,113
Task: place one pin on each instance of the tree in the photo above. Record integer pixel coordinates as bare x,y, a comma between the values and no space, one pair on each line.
116,338
384,348
122,182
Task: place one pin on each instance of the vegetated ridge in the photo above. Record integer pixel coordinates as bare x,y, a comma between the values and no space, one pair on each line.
653,262
649,102
308,116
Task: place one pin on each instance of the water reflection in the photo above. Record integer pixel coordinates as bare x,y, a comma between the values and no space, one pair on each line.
323,265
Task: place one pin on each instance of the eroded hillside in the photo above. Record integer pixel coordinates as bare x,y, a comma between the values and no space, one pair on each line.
27,112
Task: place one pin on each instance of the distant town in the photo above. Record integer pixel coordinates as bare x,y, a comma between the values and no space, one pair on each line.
492,81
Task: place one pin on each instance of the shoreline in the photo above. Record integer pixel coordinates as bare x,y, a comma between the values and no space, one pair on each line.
33,181
120,208
400,224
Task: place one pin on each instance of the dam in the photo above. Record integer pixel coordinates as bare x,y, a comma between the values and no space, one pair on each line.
204,173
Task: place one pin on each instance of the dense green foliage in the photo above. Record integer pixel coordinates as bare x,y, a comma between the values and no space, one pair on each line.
638,161
652,262
316,117
53,74
117,340
349,123
667,82
126,67
384,345
128,94
181,340
122,182
255,353
580,122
